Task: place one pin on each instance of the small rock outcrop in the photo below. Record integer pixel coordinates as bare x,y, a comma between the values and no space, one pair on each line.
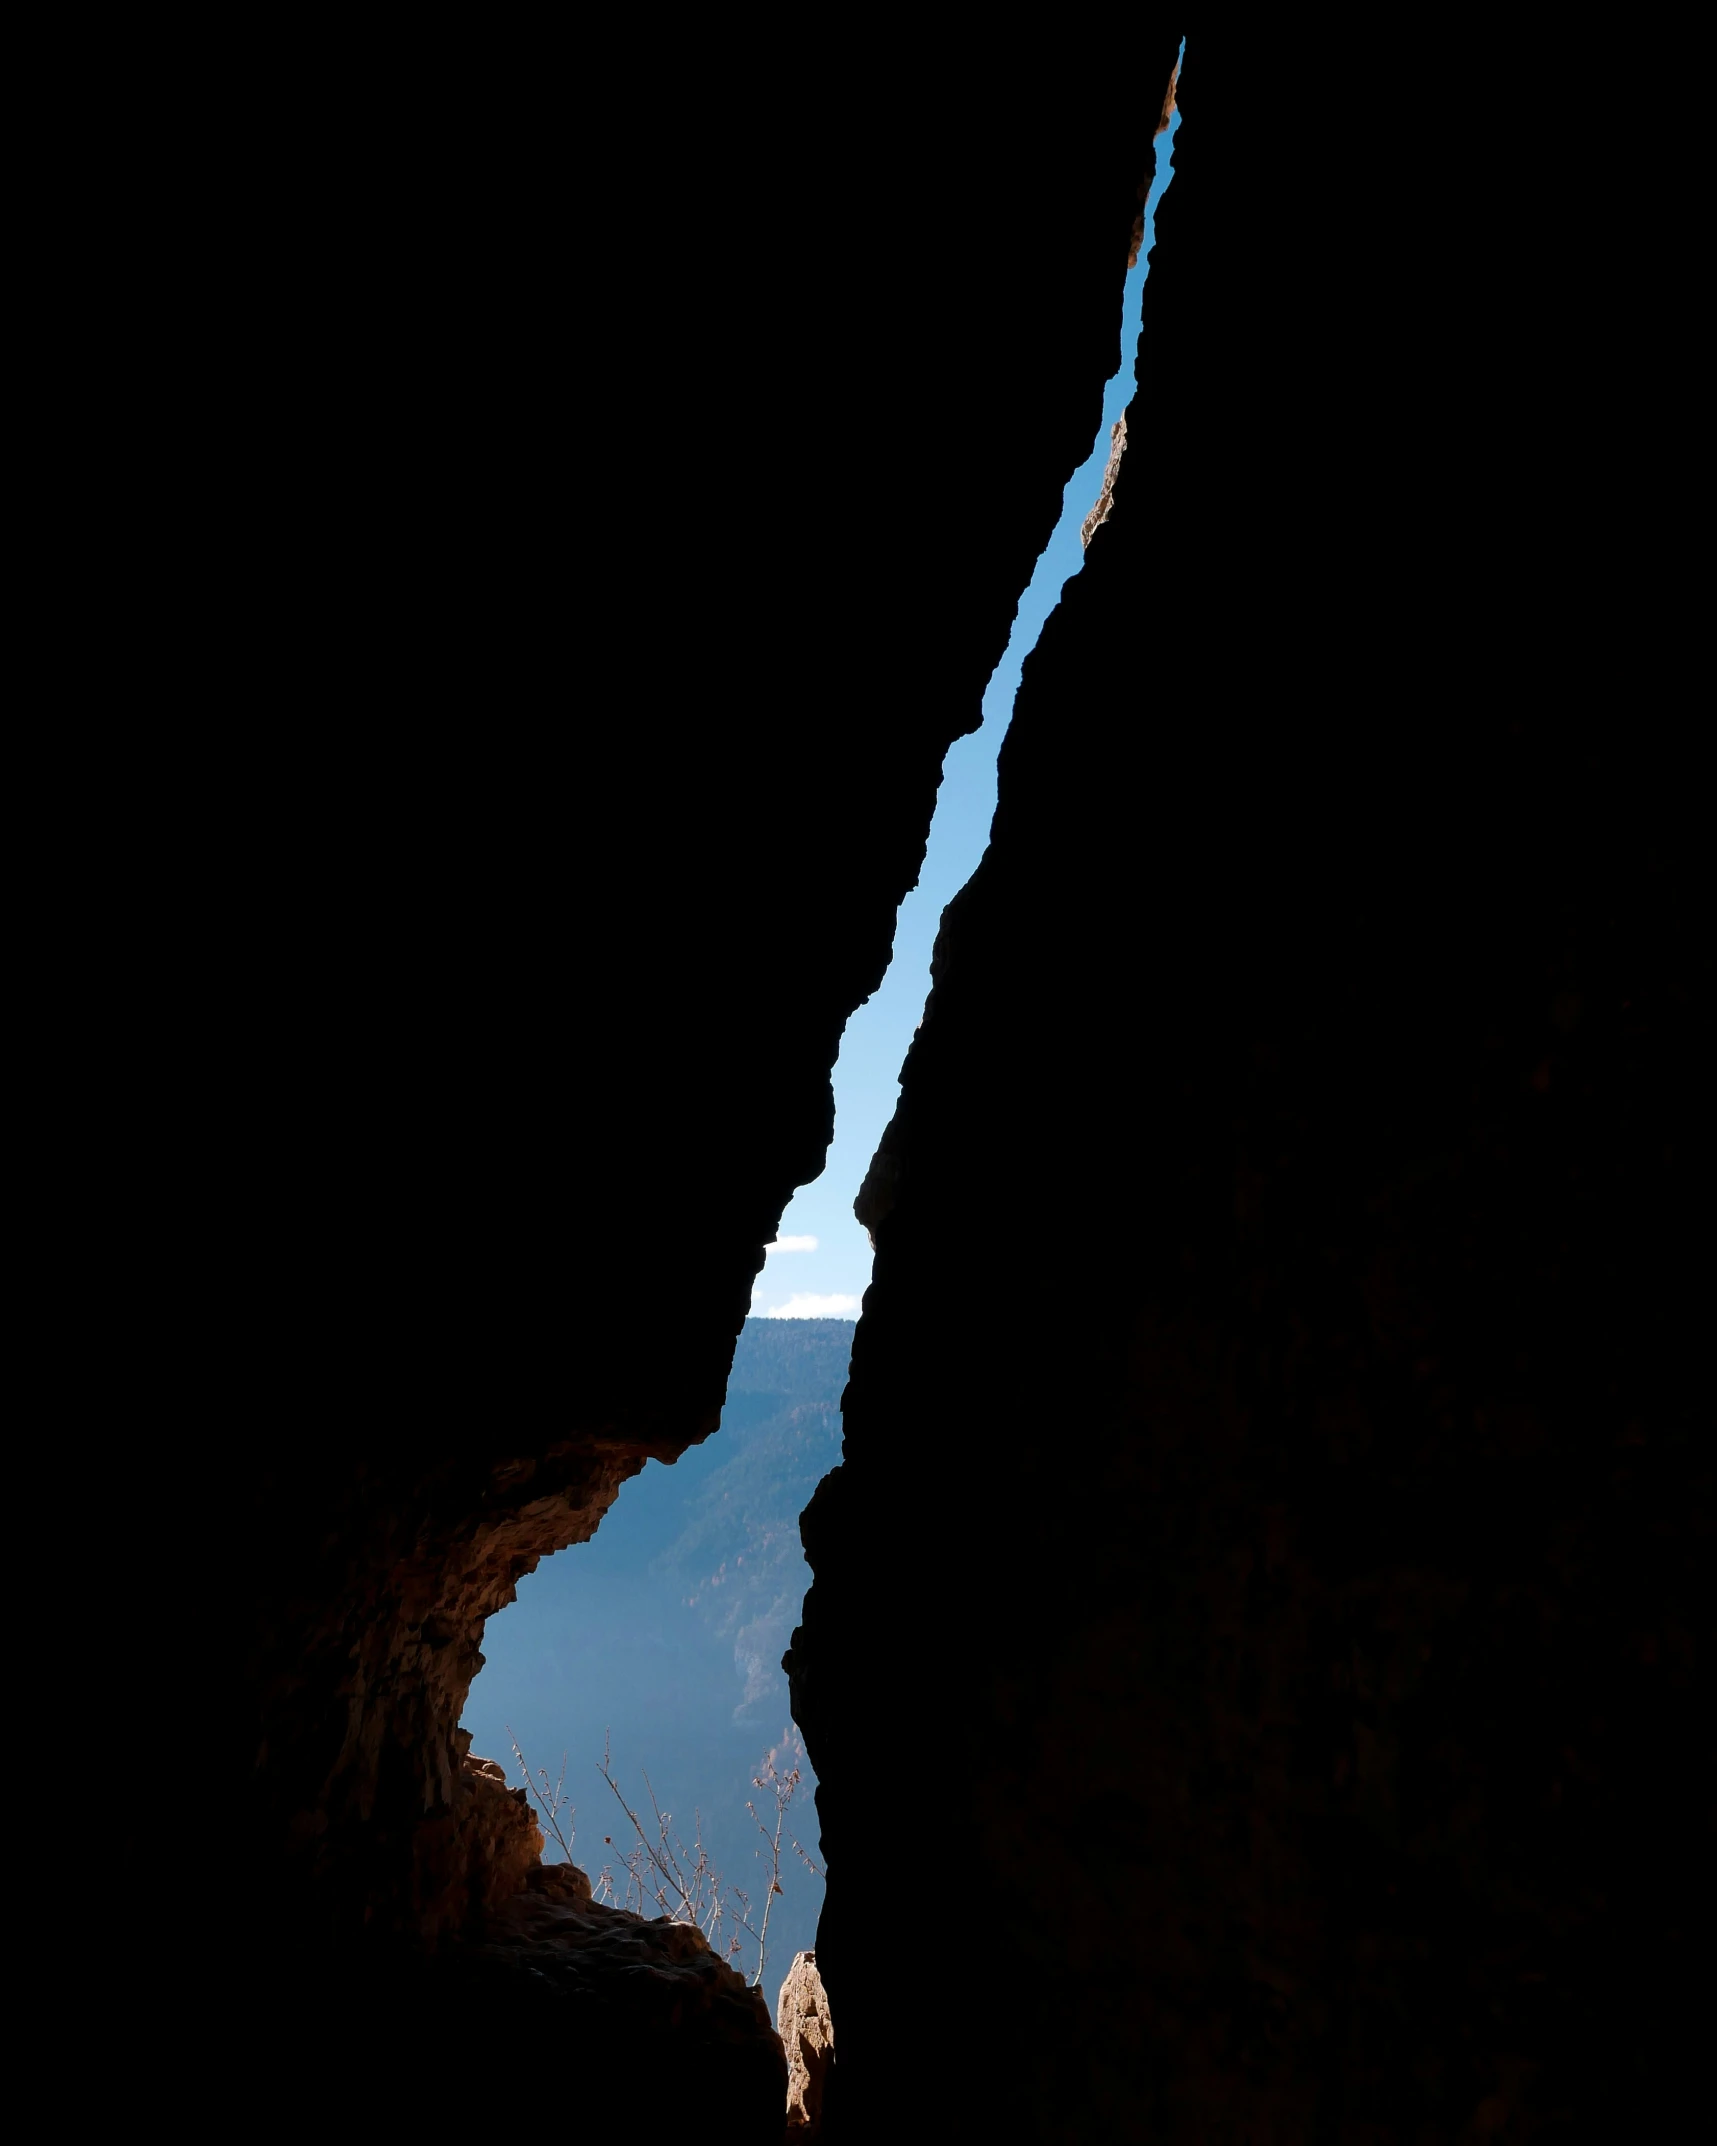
808,2036
1106,497
499,1840
647,2004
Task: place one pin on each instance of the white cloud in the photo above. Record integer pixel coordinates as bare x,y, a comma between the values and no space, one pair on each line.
792,1244
802,1305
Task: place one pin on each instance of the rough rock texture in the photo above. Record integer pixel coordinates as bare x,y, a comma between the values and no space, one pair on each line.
493,1836
555,2009
1136,244
807,2032
533,813
645,1998
1276,1394
553,1929
1112,469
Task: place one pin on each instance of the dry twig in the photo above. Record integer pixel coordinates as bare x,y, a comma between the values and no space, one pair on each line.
683,1884
550,1799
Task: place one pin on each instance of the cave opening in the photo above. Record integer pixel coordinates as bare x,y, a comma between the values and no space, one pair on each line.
655,1647
1270,1488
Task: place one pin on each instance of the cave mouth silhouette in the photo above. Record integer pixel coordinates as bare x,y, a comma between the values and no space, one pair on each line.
626,1599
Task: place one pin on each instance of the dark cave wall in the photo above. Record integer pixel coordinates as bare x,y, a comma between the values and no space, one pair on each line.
616,548
1276,1376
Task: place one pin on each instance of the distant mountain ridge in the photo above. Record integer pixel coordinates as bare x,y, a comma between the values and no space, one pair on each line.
737,1559
664,1632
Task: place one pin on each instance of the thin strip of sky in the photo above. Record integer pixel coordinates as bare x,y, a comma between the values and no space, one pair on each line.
822,1267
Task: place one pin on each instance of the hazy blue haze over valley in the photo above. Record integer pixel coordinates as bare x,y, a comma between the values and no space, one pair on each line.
668,1627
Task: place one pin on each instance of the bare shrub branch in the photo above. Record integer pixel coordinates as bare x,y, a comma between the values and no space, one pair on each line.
682,1883
550,1799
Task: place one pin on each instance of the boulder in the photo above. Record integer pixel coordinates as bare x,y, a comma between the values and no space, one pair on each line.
808,2036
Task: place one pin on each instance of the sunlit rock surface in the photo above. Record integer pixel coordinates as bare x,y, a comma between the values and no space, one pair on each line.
808,2036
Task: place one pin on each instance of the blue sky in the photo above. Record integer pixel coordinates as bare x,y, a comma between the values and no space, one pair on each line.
823,1268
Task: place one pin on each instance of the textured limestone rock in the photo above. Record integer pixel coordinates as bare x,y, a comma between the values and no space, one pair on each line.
554,2010
639,1974
1105,498
563,1882
494,1837
358,1727
808,2036
1136,244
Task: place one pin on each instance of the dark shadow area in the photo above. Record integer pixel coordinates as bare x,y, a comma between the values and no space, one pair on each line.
1320,1640
1315,1638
